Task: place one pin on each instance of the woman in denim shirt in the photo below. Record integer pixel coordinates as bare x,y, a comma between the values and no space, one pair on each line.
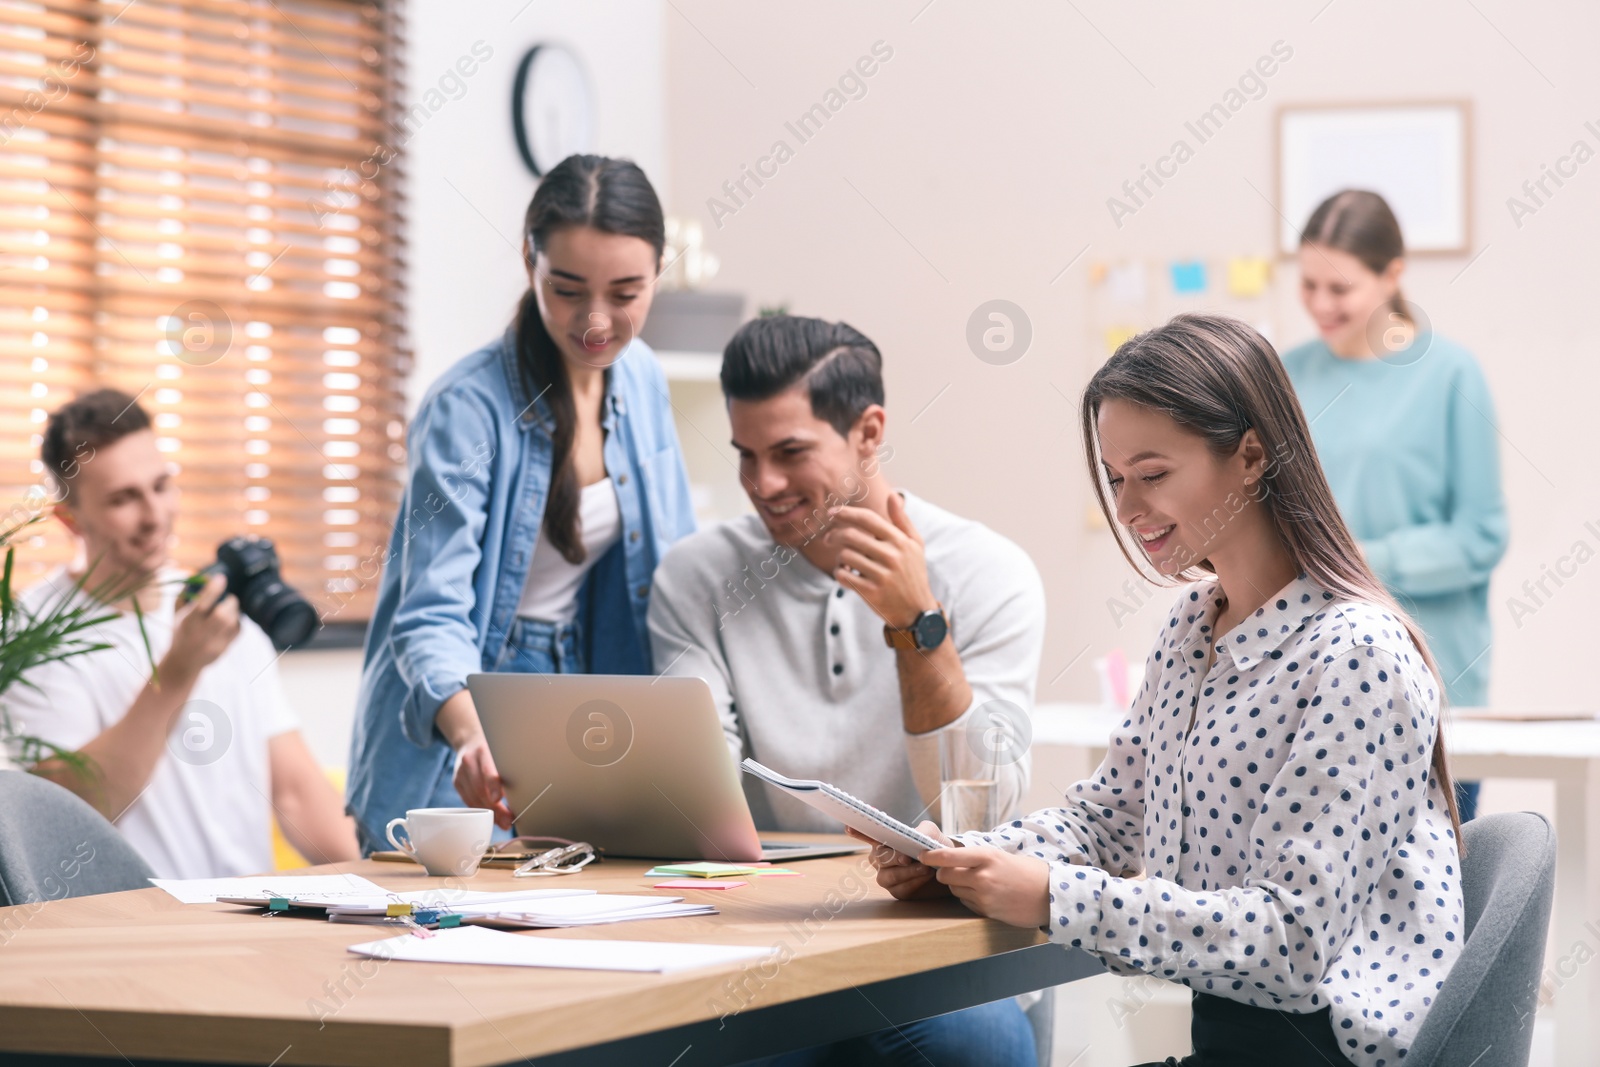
544,483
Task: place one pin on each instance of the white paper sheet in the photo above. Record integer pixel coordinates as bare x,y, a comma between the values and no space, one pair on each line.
475,944
207,890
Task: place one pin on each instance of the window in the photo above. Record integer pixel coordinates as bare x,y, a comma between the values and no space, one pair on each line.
199,204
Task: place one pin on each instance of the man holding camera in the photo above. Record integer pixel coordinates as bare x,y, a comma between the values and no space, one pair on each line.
187,740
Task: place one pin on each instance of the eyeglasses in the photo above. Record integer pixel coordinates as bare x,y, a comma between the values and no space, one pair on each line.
567,857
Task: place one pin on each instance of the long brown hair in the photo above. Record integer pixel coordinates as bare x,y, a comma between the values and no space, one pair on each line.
611,195
1216,377
1359,222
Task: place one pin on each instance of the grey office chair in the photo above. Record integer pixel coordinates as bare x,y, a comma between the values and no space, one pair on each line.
1484,1013
54,846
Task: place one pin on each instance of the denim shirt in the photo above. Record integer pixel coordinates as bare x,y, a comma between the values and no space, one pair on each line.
478,476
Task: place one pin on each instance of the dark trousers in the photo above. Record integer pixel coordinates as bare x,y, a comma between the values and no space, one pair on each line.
1226,1033
1467,800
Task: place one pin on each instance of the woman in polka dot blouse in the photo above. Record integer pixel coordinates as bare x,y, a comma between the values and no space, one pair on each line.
1273,825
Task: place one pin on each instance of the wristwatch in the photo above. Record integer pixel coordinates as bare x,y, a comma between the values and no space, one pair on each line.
924,634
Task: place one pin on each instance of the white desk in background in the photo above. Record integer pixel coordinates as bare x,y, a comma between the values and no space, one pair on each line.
1565,752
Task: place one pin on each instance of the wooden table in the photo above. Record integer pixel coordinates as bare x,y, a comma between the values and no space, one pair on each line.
137,975
1566,753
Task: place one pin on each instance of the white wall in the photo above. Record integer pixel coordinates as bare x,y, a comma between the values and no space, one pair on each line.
468,190
978,165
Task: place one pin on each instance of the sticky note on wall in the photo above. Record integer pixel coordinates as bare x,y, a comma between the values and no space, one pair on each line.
1124,283
1188,276
1248,276
1115,335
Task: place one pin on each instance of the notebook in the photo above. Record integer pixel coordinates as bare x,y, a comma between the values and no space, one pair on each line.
856,814
522,909
381,902
588,911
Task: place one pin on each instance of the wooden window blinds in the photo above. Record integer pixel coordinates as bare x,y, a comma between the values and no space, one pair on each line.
200,205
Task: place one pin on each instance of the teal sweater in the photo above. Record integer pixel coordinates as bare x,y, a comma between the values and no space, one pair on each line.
1411,449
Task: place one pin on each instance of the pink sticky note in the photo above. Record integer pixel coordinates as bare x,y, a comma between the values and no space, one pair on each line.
700,883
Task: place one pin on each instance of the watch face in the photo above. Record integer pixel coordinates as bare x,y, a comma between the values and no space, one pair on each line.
930,628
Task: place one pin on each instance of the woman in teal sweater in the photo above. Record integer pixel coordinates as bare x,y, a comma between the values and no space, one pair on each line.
1404,425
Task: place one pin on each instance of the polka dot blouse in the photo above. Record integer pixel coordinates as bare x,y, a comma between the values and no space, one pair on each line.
1296,851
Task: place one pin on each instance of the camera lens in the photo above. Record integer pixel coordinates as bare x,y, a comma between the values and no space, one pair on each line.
279,610
252,568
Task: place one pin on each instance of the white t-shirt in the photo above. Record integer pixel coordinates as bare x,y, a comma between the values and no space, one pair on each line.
551,589
207,811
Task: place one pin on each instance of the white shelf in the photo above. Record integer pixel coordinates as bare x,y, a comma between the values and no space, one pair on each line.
691,366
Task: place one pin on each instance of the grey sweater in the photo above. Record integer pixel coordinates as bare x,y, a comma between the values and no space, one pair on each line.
804,683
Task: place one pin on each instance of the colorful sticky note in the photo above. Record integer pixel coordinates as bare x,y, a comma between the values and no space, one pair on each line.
1115,335
699,883
1117,670
1247,276
1189,276
1125,283
705,870
779,873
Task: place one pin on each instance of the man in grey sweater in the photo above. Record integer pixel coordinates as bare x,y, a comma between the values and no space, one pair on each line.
846,626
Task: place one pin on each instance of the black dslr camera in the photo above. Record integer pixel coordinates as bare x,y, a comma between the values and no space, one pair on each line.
251,567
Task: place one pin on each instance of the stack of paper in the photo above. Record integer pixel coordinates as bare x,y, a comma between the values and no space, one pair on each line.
586,911
476,945
351,898
449,901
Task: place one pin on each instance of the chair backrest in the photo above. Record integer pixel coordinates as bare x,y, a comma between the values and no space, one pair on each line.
53,845
1484,1014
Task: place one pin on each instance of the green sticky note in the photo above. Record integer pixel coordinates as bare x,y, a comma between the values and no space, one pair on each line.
706,870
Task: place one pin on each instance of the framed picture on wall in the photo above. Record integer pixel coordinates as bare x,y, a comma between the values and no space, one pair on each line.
1414,155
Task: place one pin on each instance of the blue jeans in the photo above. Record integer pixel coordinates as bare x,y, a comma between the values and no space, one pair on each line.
1467,800
990,1035
538,647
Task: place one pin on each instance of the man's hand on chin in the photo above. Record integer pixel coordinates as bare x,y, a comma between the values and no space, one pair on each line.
883,560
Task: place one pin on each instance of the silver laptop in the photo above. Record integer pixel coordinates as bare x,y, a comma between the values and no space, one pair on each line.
637,766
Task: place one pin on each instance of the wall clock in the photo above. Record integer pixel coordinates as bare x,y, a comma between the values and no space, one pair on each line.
552,107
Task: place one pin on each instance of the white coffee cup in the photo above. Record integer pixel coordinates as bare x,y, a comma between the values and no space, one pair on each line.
446,841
